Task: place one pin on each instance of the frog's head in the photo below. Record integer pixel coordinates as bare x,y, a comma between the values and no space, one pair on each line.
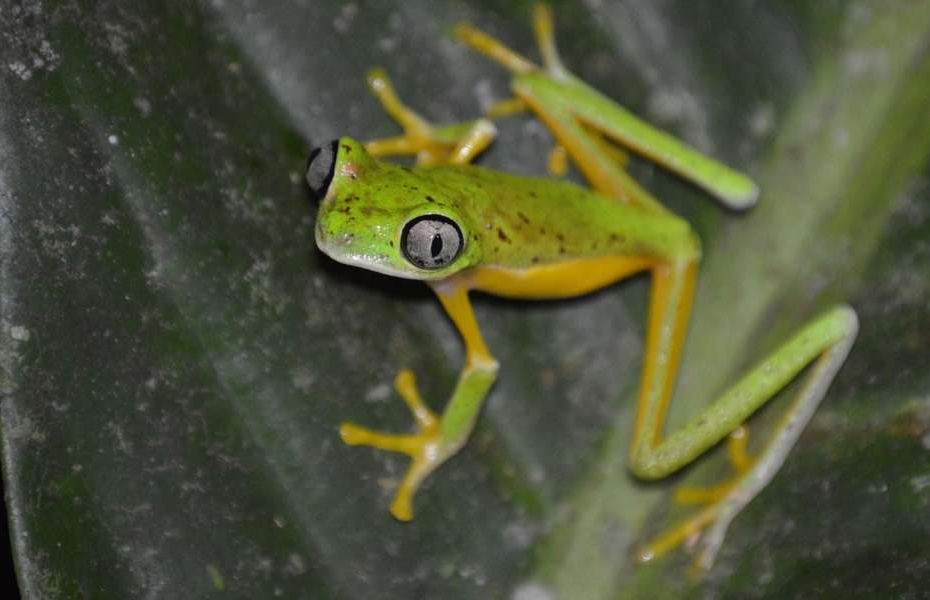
385,217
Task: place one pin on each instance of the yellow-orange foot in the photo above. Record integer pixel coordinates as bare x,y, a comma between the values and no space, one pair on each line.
713,498
458,143
426,447
494,49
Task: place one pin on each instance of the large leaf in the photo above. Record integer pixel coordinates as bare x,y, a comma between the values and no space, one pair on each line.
175,356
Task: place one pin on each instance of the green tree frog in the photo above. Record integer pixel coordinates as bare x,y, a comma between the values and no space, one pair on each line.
462,228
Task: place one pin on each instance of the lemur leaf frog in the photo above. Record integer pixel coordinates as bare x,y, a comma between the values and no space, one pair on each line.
462,228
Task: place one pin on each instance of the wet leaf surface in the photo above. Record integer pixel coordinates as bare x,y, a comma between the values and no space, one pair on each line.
175,355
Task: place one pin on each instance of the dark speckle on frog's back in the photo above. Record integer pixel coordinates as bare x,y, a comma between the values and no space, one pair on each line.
505,220
525,221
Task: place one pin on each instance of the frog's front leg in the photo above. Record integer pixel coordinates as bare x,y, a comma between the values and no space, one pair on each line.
424,447
437,438
458,143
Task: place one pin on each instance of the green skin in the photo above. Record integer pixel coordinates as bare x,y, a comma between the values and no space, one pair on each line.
506,220
518,224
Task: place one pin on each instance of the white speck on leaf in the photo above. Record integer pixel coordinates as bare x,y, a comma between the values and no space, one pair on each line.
20,333
378,393
295,564
142,105
683,108
762,119
20,70
485,94
343,22
532,590
302,378
920,482
387,44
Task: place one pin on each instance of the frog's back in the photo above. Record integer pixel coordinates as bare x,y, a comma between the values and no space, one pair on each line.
523,221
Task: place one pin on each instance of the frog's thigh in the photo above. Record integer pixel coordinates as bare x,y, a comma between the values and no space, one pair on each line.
562,279
587,151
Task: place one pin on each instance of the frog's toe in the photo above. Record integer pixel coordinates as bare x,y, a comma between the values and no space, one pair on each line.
355,435
709,522
431,144
423,464
676,536
688,494
402,507
425,448
739,459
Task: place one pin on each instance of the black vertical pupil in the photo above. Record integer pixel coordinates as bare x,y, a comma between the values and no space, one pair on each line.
436,245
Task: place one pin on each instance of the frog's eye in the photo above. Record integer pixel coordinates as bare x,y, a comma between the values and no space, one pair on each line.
320,168
431,241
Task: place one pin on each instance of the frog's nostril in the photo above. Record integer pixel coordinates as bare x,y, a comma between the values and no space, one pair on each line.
320,168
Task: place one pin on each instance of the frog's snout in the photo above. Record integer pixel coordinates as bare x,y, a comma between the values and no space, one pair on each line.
320,168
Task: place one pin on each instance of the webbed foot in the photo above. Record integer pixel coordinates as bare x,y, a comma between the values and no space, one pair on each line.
427,447
714,498
457,143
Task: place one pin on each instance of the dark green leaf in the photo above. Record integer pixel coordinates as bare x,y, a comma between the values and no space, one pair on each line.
175,355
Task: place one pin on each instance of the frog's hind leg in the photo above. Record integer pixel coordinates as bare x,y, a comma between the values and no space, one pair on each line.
709,497
821,346
458,143
514,62
494,49
557,163
545,39
739,460
601,161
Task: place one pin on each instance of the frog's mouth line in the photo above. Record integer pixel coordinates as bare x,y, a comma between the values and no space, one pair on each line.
339,249
365,262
